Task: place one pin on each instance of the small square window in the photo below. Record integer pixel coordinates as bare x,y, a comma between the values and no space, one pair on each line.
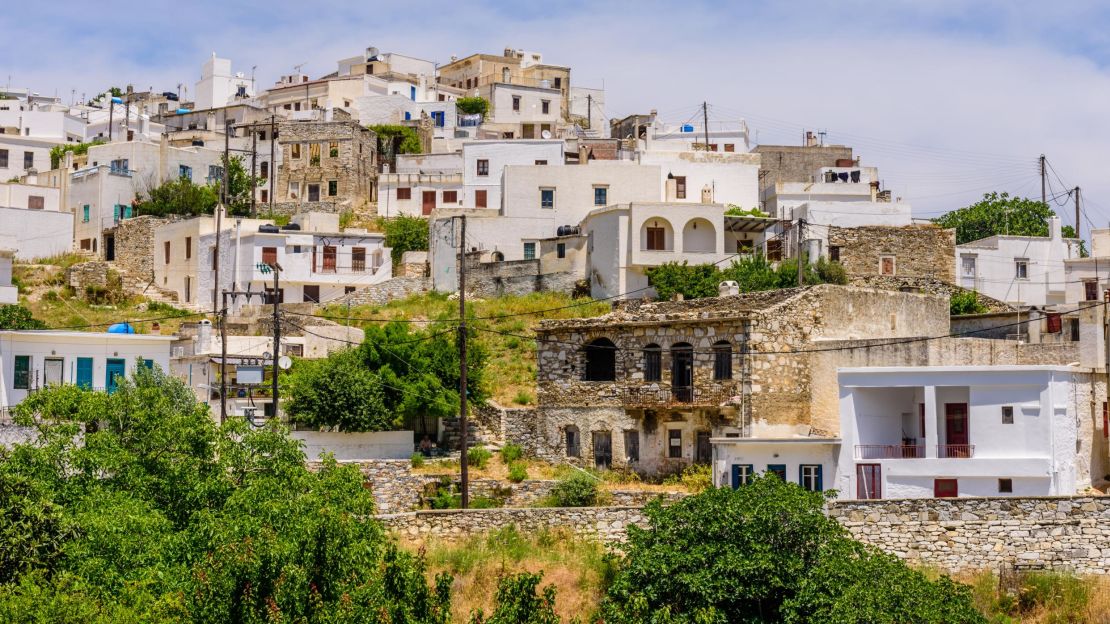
547,198
516,102
483,167
333,188
404,193
601,195
561,250
529,251
674,443
1021,269
886,265
1005,486
1090,291
834,253
1007,414
545,106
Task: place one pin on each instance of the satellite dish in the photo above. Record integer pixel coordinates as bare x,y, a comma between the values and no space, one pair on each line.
266,355
546,134
284,362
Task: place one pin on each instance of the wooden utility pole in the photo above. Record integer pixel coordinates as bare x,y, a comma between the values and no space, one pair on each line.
223,361
590,110
801,259
254,165
272,173
1044,196
464,477
1077,213
277,335
705,120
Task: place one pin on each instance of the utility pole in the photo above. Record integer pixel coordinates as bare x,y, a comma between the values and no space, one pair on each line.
227,161
801,260
272,173
1077,213
464,478
223,361
254,164
590,110
705,120
277,335
1044,197
111,114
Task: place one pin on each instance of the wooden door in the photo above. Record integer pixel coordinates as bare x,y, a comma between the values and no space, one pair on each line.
429,202
329,258
682,372
869,481
703,450
956,435
603,449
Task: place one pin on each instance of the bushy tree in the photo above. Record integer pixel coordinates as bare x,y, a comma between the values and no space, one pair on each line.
396,139
472,106
518,602
405,233
340,391
692,282
136,506
965,302
999,213
751,273
766,552
240,187
58,152
18,317
178,197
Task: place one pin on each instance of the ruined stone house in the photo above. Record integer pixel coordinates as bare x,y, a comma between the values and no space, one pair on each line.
650,384
330,162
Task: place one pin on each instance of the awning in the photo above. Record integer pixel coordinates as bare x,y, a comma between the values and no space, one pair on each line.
748,223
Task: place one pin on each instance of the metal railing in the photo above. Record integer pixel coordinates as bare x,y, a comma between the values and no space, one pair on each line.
955,451
890,451
645,396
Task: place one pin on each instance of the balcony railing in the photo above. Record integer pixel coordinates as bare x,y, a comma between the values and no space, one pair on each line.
955,451
890,451
644,396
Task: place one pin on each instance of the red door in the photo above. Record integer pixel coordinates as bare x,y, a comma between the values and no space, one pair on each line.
869,481
429,202
329,259
945,488
956,438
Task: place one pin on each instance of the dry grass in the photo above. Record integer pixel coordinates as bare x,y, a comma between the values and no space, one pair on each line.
1040,598
538,469
512,363
580,570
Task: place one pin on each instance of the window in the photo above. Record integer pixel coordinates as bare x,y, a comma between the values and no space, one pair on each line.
1053,323
119,166
36,202
601,360
404,193
4,158
547,198
869,482
561,250
656,239
166,251
313,192
545,106
185,171
674,443
886,265
1007,414
333,149
1005,486
529,251
264,170
265,196
28,160
439,118
516,102
333,188
1021,268
269,255
680,187
541,162
480,198
968,264
631,446
358,259
329,259
722,360
215,172
741,475
834,253
1090,291
450,197
601,195
574,442
1073,325
730,147
348,290
188,247
945,488
774,250
483,167
558,82
653,363
85,213
311,293
809,477
22,372
295,150
313,154
779,470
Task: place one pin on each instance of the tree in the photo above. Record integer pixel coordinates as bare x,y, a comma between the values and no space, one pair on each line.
965,302
339,391
999,213
396,139
58,152
692,282
178,197
155,513
765,552
519,603
751,273
15,316
240,187
472,106
405,233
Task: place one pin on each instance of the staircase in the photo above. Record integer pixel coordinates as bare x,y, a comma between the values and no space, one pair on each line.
452,436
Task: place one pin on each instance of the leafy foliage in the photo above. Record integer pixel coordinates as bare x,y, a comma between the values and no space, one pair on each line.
156,513
405,233
751,273
478,456
518,472
393,376
999,213
965,302
18,317
511,452
472,106
736,211
394,139
58,152
519,603
240,187
178,197
578,489
767,553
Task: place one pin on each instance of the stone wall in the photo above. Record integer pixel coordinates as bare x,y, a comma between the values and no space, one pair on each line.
796,163
606,524
383,293
293,208
923,250
515,277
924,285
134,240
86,274
353,167
1068,533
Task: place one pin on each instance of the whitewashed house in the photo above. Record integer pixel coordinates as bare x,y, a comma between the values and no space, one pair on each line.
1021,270
33,359
420,184
949,431
9,293
32,221
1086,279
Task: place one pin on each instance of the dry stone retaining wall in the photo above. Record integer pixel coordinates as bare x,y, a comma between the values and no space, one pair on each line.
606,524
383,293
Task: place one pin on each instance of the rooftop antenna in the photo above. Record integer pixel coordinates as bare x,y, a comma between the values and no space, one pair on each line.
298,67
821,136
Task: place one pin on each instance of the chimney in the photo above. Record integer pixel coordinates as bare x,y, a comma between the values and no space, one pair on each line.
1054,229
204,336
671,189
728,287
811,139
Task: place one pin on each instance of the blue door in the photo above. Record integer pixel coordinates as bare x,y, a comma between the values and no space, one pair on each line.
114,373
84,372
412,93
741,474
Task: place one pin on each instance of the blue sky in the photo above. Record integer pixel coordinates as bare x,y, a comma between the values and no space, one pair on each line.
949,99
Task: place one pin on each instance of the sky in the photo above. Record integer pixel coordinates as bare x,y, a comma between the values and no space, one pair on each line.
948,99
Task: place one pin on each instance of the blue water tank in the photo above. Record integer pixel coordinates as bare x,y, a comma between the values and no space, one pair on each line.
116,100
121,328
687,128
182,111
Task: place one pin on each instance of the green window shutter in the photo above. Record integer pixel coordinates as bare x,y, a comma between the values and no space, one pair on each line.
22,372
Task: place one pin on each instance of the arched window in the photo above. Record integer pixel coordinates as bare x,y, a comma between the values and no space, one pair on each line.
722,360
653,363
601,360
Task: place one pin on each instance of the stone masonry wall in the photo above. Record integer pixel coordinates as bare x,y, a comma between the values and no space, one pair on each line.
924,285
606,524
81,276
135,246
353,167
383,293
924,250
1067,533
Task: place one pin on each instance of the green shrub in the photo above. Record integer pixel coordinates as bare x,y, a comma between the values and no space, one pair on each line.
696,478
472,105
1065,595
517,472
478,456
965,302
511,452
523,398
417,459
579,489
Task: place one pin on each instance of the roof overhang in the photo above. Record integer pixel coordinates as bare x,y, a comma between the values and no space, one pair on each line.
778,441
748,224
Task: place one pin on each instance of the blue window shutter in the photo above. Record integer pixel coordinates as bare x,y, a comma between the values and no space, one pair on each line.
735,476
408,116
412,93
115,212
84,372
820,485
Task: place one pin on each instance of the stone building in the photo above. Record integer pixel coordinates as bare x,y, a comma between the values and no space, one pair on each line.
796,163
331,160
918,250
650,384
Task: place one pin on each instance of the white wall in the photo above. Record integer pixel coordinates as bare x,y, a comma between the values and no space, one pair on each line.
760,454
993,271
16,147
37,233
574,189
732,178
499,154
16,195
356,446
531,105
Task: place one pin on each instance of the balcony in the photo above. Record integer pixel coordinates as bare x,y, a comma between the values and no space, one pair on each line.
955,451
890,451
667,396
